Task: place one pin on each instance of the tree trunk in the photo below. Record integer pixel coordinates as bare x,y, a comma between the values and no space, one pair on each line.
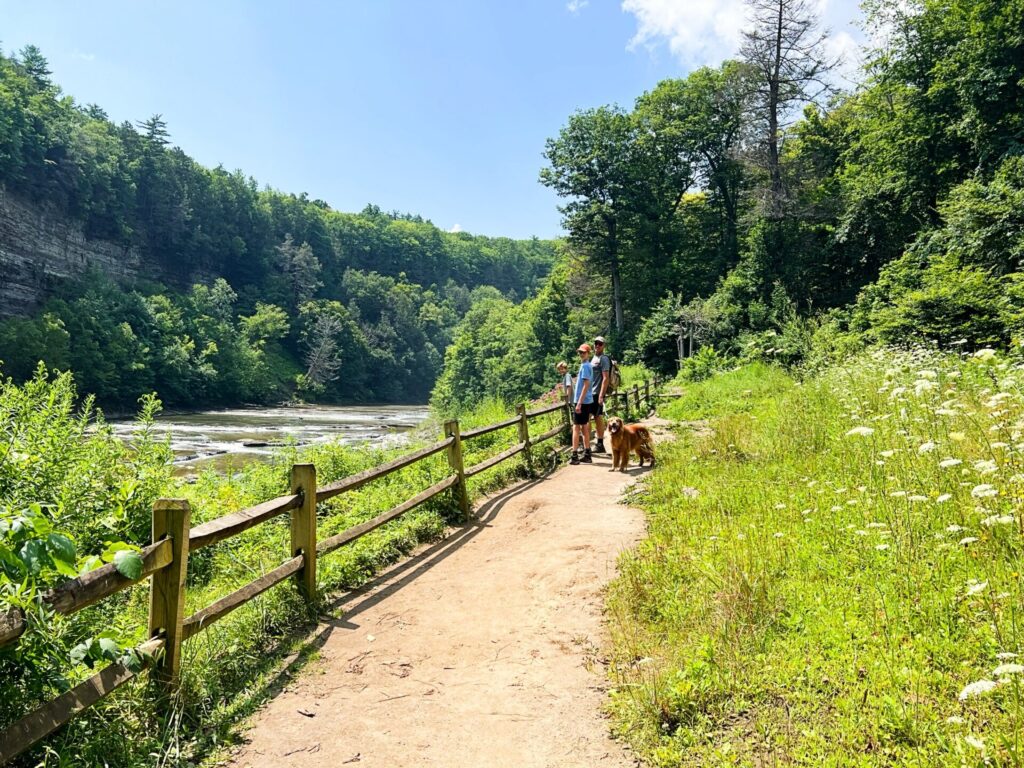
613,260
775,204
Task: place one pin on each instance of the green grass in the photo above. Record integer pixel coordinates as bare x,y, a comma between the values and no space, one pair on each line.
814,596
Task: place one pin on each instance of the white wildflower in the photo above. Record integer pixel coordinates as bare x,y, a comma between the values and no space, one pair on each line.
1008,669
946,412
780,505
779,535
877,525
983,491
957,436
886,454
918,498
897,494
926,447
986,466
950,462
861,532
976,587
954,528
1006,655
977,689
923,385
860,432
927,374
975,742
968,540
985,354
944,498
997,520
881,547
955,720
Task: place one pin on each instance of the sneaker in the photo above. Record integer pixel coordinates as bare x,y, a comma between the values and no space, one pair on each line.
600,447
586,458
575,459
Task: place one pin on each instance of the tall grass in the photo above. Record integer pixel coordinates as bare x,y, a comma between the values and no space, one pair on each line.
833,572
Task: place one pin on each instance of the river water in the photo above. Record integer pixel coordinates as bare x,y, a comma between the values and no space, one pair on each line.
229,439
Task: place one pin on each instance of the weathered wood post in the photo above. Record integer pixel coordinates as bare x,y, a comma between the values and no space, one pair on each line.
524,436
636,398
171,520
647,395
304,529
451,429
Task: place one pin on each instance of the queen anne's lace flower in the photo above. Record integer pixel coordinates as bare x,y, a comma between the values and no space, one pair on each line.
860,432
977,689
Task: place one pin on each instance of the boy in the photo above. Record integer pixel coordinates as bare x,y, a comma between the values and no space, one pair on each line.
583,398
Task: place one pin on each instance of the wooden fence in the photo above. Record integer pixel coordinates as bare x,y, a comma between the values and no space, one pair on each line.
165,561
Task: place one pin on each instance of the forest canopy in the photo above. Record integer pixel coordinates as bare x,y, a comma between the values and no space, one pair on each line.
249,292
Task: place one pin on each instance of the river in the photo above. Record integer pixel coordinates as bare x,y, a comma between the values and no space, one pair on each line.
229,439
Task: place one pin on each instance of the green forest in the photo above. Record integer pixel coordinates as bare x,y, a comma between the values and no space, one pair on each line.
755,211
825,268
253,294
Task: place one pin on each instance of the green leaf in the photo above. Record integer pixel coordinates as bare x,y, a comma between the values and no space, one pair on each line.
128,564
33,554
80,653
61,548
109,648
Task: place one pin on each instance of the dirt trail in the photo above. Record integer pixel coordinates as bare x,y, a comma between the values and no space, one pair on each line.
480,650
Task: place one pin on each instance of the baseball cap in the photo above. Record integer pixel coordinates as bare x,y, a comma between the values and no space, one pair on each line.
599,339
583,348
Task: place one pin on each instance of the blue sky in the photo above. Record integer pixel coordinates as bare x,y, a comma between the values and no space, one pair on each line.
439,108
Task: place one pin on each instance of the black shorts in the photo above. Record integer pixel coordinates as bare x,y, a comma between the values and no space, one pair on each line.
582,416
596,409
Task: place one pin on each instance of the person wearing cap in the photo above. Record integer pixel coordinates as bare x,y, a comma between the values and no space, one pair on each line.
583,399
601,366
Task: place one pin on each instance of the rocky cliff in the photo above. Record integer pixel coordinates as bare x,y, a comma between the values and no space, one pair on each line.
39,250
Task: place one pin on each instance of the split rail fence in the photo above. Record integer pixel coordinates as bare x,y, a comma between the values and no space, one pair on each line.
165,560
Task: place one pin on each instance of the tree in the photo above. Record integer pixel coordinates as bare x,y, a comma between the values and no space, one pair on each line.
786,51
591,163
302,269
323,354
35,65
155,130
706,116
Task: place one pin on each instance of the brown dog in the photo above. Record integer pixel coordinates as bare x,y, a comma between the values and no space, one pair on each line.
627,439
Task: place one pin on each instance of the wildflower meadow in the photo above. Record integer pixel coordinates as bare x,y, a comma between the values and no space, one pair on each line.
833,574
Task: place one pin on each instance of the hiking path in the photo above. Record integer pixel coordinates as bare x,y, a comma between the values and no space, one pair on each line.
482,649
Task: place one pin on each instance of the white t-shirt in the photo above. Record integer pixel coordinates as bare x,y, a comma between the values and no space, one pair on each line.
568,384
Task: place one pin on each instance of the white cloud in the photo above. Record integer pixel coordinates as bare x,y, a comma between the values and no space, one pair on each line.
575,6
697,31
705,32
456,228
84,56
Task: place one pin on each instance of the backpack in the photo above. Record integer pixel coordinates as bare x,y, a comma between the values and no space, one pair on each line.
614,377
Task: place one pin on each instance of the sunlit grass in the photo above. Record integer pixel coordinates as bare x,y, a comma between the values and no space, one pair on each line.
833,573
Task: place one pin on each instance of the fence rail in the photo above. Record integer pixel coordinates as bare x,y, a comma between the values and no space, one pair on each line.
165,561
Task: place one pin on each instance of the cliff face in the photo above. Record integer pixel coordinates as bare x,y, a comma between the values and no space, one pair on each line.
38,250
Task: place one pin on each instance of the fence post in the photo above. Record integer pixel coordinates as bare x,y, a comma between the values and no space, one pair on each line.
171,520
304,529
524,436
647,395
451,429
636,397
568,416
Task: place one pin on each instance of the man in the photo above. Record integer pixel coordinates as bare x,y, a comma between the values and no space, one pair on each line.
602,368
583,398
